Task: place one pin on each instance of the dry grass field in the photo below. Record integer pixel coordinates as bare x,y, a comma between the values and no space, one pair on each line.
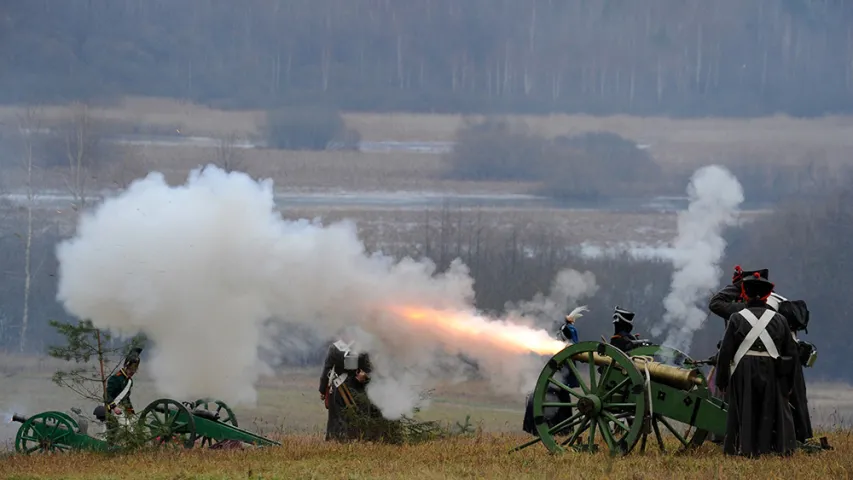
289,411
197,120
482,456
674,142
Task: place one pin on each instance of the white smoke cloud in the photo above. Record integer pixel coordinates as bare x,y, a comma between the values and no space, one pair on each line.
715,196
202,268
568,287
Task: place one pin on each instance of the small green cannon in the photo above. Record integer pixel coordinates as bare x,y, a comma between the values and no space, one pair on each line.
165,421
623,399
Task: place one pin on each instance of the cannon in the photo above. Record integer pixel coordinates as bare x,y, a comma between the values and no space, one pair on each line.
624,399
165,422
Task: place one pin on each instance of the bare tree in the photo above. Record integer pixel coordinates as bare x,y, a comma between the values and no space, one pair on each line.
128,164
81,144
228,154
28,123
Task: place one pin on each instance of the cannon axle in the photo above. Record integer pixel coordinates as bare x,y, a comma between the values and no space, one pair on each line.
589,406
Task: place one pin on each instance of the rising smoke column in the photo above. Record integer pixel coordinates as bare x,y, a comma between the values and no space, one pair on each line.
202,268
715,195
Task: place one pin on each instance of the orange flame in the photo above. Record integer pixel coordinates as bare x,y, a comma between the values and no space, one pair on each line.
469,326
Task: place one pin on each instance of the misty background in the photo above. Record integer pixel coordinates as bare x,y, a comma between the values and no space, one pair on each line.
692,59
685,58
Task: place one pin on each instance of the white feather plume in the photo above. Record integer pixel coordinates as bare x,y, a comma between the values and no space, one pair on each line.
577,312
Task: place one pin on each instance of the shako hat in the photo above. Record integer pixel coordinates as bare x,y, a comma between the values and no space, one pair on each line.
756,285
622,315
133,356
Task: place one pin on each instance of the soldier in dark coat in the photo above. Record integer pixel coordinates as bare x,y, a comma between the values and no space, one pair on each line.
623,324
119,385
755,369
352,416
730,300
555,415
117,405
332,366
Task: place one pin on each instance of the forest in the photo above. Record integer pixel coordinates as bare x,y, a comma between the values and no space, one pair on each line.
655,57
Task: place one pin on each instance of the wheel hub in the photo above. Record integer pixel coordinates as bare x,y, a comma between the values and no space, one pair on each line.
589,405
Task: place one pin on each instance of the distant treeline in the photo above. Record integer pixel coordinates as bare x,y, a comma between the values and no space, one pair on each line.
684,58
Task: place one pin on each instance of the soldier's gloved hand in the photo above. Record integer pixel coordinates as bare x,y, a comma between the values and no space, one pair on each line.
116,410
713,360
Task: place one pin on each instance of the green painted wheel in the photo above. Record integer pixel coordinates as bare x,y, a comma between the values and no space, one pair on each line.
45,432
222,412
606,402
688,436
168,423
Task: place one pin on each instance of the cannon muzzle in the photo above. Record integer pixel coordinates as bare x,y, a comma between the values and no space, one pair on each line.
17,417
676,377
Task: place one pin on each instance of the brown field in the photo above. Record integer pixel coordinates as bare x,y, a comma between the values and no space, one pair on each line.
193,119
298,171
289,410
689,142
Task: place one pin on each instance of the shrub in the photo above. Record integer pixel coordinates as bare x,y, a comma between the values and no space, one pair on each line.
583,166
307,128
598,164
496,150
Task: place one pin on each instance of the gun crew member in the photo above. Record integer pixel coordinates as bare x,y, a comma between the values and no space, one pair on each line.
623,324
731,299
554,415
755,369
351,413
333,367
120,384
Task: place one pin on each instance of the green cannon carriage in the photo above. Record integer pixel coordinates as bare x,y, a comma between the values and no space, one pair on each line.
624,399
165,422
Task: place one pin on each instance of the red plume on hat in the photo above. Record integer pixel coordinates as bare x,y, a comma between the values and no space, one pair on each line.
737,275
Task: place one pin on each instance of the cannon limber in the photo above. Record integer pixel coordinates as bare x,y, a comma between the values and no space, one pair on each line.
164,421
624,399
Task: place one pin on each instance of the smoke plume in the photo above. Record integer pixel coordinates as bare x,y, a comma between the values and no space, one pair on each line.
203,269
715,195
568,287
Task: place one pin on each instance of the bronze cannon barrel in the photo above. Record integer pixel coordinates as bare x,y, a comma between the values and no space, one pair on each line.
676,377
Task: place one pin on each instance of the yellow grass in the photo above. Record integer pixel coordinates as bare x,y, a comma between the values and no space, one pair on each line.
289,410
483,456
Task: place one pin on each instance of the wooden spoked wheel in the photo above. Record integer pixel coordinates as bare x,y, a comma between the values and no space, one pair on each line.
168,423
212,408
688,436
606,405
46,432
